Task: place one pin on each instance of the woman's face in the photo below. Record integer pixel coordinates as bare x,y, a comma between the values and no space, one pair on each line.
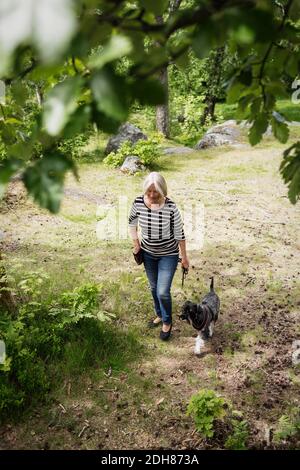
152,194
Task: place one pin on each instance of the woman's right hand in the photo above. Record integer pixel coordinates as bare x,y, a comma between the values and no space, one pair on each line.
136,248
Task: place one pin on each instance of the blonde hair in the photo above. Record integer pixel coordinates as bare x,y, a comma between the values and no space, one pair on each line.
159,183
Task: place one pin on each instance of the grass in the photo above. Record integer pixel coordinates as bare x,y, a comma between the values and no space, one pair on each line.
290,111
234,185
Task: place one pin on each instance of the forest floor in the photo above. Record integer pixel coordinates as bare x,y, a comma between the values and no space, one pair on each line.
250,245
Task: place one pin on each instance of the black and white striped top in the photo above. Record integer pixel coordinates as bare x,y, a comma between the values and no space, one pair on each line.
161,229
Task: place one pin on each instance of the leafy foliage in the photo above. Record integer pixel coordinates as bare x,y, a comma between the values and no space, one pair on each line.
39,334
237,440
290,170
61,69
288,426
146,150
206,407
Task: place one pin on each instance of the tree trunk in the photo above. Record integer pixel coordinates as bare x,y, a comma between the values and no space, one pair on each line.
209,109
162,111
214,82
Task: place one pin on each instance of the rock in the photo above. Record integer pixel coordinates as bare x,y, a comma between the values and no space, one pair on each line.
222,134
132,164
126,131
176,150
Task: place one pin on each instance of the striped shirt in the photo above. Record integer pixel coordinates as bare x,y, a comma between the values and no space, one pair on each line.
161,229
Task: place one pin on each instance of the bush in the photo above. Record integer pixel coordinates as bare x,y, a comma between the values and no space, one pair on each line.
206,407
74,146
146,150
237,440
38,335
186,112
288,426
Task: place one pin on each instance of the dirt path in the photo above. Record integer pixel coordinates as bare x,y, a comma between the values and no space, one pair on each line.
251,246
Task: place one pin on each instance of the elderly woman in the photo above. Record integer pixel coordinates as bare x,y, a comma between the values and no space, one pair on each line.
162,235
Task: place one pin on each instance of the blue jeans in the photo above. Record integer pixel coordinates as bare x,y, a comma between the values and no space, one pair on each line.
160,271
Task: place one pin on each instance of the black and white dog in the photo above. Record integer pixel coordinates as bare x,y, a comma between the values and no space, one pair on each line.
202,316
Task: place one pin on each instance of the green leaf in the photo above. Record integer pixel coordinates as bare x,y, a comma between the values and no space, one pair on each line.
234,91
278,89
249,26
78,121
7,169
243,34
117,47
245,77
44,180
103,122
149,91
280,129
48,25
204,39
290,171
255,106
258,128
111,94
19,92
60,103
243,104
7,132
183,61
158,7
155,57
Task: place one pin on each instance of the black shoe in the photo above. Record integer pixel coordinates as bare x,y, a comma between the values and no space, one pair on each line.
165,335
152,324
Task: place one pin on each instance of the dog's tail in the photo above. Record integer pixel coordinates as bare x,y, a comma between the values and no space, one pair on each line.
211,283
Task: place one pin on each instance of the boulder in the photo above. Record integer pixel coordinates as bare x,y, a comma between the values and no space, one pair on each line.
132,164
126,131
227,133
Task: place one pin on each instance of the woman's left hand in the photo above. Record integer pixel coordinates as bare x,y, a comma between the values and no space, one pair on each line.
185,262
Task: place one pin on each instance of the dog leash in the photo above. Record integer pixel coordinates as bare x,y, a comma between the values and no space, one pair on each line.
184,273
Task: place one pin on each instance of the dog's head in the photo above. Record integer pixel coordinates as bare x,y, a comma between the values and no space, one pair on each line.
189,311
192,313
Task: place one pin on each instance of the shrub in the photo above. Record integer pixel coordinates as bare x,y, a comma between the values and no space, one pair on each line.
75,145
237,440
288,426
116,159
146,150
206,407
38,335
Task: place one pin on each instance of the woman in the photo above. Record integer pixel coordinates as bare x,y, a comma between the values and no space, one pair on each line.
162,235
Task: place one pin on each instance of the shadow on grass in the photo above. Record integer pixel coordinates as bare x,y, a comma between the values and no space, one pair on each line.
95,156
88,347
99,345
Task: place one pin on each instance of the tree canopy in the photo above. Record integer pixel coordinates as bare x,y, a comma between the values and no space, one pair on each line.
67,54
